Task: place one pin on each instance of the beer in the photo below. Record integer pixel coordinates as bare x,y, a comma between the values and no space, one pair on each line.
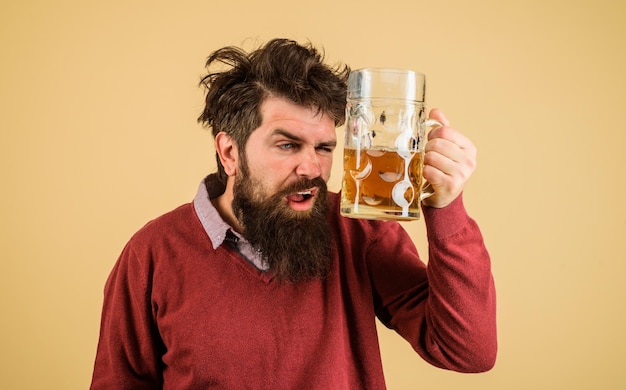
381,184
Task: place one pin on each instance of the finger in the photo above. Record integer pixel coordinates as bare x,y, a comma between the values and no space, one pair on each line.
453,136
446,176
441,171
446,187
436,114
436,177
449,157
440,162
450,150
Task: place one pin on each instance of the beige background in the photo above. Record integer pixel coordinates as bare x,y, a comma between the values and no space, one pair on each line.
98,102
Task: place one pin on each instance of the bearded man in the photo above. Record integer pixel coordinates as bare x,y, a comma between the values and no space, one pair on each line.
260,283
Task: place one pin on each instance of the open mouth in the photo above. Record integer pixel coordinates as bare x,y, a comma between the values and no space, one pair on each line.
305,195
301,200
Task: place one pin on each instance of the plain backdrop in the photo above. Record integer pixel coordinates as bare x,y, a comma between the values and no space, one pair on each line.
98,135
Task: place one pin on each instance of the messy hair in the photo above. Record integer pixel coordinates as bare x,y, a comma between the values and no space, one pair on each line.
281,68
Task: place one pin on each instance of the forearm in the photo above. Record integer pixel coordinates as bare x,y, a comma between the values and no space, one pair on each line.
461,305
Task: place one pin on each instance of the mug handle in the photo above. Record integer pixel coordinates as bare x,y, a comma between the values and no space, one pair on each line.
427,189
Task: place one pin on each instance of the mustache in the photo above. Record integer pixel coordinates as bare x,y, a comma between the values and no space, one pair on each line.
302,185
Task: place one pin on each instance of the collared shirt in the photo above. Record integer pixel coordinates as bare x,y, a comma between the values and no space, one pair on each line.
216,228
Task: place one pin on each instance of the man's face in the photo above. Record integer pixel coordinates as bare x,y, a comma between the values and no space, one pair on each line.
292,143
280,195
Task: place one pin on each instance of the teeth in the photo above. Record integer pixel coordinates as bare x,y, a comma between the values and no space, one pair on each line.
305,193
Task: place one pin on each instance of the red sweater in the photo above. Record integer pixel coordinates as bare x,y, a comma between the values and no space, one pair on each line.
181,314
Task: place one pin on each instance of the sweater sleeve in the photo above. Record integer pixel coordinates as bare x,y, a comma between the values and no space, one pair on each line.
446,310
128,355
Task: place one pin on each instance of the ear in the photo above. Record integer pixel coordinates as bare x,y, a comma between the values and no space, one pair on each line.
227,152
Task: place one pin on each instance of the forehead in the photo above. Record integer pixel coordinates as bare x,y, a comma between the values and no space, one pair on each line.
279,113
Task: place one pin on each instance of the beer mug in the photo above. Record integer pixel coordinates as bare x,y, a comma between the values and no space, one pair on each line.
385,129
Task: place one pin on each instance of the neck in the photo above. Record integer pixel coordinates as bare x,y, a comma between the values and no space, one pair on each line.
223,204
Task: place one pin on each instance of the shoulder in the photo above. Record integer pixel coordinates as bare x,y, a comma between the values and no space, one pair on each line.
170,238
180,221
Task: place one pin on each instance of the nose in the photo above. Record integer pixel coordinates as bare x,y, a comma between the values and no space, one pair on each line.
309,165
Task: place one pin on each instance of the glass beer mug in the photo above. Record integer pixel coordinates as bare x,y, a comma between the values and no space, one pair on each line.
384,145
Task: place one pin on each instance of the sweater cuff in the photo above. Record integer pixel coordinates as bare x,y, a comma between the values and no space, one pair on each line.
447,221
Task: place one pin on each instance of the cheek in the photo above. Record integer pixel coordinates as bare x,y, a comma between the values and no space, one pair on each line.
268,173
327,166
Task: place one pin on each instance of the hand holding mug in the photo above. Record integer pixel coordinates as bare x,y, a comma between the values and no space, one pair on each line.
449,161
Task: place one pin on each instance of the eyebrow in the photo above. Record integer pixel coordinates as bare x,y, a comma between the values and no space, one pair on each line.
294,137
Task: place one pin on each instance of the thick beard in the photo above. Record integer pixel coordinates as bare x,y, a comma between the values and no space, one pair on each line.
296,245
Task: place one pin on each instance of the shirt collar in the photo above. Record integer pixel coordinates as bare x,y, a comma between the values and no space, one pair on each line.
216,228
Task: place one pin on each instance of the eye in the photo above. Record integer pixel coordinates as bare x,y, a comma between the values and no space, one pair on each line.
325,149
287,146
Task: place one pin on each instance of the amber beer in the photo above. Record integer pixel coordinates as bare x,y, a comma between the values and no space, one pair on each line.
381,184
